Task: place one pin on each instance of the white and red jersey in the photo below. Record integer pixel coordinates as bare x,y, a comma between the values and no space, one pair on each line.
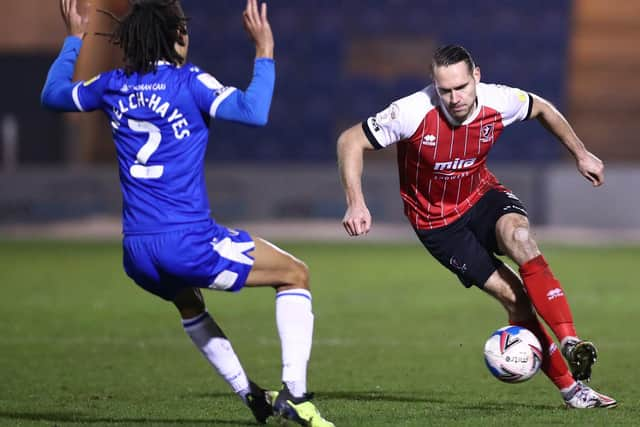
442,163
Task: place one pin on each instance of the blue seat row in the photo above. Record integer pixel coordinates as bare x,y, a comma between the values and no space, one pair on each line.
522,44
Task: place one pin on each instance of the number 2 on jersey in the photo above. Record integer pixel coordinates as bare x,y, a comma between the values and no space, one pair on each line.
139,168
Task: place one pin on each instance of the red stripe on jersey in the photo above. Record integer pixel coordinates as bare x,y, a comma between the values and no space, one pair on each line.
440,180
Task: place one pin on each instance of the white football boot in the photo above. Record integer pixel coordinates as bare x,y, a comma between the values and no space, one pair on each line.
583,397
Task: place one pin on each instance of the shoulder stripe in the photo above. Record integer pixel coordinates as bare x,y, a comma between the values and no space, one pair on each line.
370,137
528,116
224,94
76,97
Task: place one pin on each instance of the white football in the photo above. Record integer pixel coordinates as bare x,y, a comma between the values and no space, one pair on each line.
513,354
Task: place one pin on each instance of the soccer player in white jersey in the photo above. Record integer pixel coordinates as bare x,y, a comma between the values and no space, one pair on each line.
159,107
462,214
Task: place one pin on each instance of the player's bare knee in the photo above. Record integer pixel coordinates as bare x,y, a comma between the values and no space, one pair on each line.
296,276
524,241
300,275
521,234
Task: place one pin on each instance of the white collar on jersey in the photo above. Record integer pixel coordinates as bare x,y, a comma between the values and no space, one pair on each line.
167,63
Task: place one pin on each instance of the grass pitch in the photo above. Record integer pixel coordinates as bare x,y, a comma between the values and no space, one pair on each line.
398,342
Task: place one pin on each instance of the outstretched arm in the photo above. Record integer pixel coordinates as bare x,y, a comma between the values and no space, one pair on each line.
590,166
58,90
76,24
252,106
258,28
57,93
351,146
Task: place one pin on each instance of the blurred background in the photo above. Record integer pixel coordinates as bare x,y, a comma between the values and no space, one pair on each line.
337,63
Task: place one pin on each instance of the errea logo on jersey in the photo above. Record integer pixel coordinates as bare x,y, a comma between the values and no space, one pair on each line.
429,140
554,293
456,164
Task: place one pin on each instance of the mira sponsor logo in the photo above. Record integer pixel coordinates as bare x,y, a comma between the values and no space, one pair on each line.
453,165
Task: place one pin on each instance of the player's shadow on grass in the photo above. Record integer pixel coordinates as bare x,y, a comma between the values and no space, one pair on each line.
506,406
380,396
359,396
376,396
77,417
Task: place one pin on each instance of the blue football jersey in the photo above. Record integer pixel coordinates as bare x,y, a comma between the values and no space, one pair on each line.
160,125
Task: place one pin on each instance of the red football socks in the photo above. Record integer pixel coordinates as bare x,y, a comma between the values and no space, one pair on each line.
553,365
548,298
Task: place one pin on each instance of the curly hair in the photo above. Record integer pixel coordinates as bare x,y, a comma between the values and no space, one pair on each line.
148,34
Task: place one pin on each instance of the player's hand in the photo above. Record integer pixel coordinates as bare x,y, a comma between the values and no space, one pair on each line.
257,26
591,168
76,24
357,220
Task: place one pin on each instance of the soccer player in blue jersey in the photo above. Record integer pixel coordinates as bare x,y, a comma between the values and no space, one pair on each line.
159,107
